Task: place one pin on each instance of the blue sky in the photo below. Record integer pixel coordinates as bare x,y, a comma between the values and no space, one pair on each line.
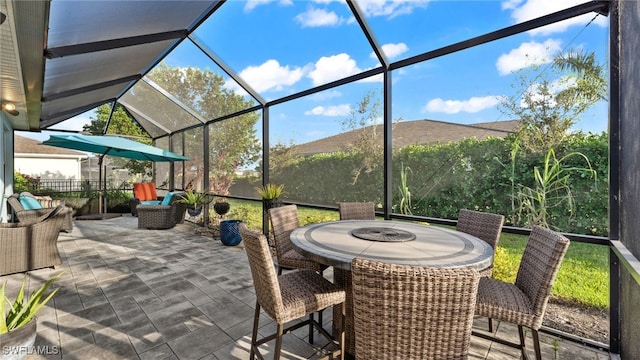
290,46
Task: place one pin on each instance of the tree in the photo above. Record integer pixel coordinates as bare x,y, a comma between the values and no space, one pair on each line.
549,102
233,143
121,124
366,123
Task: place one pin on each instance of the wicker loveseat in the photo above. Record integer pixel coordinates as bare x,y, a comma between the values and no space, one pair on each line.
164,216
47,204
32,245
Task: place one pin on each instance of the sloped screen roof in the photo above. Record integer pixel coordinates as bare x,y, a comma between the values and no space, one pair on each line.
146,55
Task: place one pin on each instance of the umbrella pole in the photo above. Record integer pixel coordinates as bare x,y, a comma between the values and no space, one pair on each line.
100,184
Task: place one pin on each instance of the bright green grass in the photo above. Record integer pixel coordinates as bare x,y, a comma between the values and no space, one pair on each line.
583,277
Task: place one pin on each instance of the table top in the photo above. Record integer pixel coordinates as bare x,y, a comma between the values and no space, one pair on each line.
336,243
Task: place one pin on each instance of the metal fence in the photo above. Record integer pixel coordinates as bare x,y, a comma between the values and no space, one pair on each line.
49,186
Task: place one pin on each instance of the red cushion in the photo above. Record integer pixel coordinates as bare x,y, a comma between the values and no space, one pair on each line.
138,191
152,191
145,191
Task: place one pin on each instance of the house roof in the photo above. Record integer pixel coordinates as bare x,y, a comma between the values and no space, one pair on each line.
24,145
417,132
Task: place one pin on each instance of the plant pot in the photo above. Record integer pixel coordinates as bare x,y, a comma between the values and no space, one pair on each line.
221,208
194,210
271,203
17,344
230,233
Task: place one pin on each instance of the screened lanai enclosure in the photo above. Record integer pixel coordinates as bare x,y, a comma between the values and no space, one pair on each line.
422,107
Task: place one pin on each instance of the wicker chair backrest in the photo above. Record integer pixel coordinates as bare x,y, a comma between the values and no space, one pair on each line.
283,220
485,226
540,263
357,210
406,312
263,271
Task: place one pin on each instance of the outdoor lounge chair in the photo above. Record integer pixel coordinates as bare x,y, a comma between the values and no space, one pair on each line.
412,312
286,297
36,207
144,193
164,216
32,245
357,210
524,302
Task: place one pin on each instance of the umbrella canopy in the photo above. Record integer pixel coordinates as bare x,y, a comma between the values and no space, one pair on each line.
113,146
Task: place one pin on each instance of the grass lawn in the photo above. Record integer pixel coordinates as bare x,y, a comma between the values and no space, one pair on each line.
583,277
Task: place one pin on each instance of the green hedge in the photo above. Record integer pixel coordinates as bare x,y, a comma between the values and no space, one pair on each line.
443,178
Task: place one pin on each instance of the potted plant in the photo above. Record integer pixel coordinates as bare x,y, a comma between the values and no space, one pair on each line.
18,318
270,194
194,201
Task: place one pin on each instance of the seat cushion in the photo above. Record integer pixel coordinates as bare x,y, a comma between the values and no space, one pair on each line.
505,302
150,202
29,202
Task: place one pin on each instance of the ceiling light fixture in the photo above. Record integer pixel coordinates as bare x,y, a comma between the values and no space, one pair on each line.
10,109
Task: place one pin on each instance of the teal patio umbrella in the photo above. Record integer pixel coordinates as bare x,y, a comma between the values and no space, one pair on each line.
112,146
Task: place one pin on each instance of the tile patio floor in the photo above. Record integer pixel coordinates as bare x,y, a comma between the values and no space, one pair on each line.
130,293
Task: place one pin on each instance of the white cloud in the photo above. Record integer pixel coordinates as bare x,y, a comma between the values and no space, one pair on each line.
318,18
472,105
523,10
271,76
392,50
333,110
390,8
329,68
527,54
252,4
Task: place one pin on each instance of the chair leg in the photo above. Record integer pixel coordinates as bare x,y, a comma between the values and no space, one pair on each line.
490,325
278,348
343,314
523,346
254,333
311,328
536,344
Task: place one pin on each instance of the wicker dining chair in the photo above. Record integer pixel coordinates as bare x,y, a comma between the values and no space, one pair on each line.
357,210
284,220
485,226
412,312
524,302
287,297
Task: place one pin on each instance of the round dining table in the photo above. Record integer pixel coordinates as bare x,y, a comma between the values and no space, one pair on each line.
337,243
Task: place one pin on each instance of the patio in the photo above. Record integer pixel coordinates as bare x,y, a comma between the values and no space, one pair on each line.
131,293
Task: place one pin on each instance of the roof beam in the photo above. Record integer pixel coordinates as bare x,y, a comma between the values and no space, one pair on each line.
68,50
45,121
92,87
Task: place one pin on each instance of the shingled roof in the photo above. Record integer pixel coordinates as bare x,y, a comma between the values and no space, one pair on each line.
417,132
24,145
